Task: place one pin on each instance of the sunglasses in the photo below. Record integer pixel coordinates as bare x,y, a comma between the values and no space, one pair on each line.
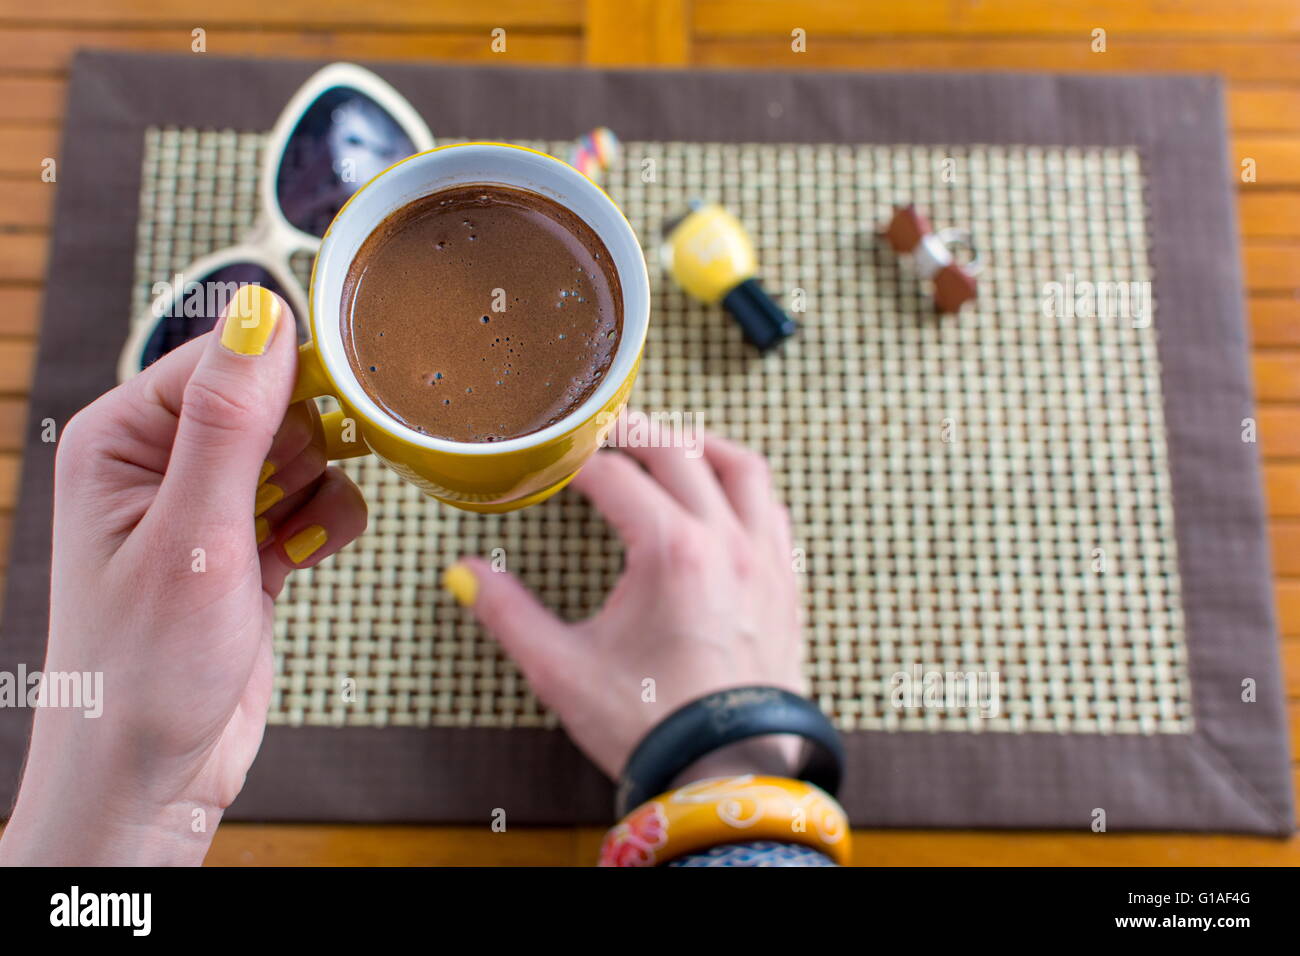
342,128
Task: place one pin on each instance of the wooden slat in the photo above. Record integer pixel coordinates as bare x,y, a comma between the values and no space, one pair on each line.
269,845
46,50
1272,265
1268,108
1269,214
1006,17
1054,848
1012,848
259,844
637,33
1293,718
22,256
318,13
1282,487
1275,321
253,844
9,469
31,99
1284,535
1279,431
16,358
1261,60
1288,607
22,148
13,424
26,203
1291,667
19,311
1277,375
1277,159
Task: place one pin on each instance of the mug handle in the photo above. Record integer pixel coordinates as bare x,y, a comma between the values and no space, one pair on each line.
313,382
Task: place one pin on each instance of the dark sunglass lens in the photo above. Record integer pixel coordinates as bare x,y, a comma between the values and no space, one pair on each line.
343,140
196,308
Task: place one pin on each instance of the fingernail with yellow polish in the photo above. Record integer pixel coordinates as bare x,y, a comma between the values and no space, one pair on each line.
460,581
263,528
268,470
250,320
305,543
267,495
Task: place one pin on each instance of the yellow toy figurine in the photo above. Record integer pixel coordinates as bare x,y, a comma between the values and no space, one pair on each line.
711,256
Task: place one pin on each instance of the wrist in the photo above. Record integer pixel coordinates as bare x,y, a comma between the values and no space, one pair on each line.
773,755
81,805
87,830
38,837
741,715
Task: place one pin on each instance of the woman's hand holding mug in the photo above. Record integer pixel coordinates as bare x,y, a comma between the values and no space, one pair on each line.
159,583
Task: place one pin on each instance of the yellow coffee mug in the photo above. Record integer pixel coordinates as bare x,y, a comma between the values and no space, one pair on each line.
476,476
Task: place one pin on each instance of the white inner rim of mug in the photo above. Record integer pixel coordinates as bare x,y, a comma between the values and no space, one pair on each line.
461,165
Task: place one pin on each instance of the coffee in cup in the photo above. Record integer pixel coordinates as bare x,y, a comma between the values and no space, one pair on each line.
483,476
481,313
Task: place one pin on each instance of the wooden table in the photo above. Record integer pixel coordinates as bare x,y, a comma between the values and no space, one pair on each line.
1255,44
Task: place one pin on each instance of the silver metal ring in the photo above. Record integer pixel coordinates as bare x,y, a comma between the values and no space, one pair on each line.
960,239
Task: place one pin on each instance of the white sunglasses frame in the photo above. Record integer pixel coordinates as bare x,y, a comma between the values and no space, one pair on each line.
272,240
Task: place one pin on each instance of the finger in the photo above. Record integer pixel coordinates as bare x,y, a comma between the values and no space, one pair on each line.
126,432
163,382
144,407
293,477
150,404
265,524
333,517
230,410
538,641
784,532
296,433
745,479
639,508
691,481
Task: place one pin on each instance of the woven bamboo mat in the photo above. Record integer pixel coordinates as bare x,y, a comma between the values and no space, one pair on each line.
981,493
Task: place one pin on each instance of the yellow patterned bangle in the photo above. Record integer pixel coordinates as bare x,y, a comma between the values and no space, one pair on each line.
708,813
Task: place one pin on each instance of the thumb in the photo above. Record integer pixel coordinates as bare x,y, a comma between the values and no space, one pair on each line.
535,638
230,408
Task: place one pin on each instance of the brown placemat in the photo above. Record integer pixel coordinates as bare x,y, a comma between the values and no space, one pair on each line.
1120,690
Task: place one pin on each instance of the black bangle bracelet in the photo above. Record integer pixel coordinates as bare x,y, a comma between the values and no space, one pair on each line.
716,720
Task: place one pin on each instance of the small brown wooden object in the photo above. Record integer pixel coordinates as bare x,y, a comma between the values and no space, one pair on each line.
910,235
